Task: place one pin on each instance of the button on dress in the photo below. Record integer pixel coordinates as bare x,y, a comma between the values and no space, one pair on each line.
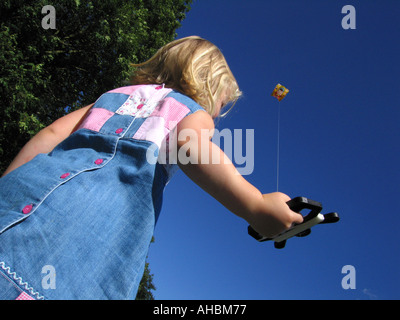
88,208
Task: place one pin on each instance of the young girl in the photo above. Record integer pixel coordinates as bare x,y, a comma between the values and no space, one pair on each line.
79,203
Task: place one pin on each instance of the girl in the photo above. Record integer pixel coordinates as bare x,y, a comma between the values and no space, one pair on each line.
79,203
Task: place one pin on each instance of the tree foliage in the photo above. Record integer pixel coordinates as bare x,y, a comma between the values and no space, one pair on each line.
146,284
45,73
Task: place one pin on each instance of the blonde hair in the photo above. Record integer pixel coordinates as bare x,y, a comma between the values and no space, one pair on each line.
194,67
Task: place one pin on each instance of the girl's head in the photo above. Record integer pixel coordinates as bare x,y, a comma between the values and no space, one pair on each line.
196,68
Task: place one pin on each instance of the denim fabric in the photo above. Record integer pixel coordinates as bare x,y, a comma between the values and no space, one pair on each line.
88,209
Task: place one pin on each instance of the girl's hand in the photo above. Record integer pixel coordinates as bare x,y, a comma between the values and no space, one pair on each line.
273,215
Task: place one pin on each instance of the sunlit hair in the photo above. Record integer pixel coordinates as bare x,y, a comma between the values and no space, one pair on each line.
195,67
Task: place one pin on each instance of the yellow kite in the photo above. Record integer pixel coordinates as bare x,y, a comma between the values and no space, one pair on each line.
279,92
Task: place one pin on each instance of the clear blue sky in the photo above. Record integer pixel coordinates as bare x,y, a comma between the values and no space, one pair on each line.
339,145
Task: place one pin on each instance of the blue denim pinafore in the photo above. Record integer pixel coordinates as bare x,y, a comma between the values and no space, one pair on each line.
76,223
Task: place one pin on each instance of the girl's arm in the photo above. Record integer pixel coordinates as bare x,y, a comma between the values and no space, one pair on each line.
268,214
46,139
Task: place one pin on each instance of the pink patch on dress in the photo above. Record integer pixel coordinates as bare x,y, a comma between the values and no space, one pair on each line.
96,118
158,88
153,129
24,296
172,111
140,106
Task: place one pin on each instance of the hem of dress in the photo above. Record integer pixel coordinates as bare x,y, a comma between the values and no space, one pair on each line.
23,285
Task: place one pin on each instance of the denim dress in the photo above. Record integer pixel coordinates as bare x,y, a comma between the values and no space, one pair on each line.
76,223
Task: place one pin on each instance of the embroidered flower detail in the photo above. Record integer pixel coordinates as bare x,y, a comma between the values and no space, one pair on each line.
137,107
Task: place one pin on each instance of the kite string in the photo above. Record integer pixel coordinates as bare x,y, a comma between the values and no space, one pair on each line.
278,147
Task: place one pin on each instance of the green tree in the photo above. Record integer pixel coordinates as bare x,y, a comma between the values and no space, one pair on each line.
46,73
146,284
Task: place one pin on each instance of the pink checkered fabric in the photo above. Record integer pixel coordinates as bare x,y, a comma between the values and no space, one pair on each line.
96,118
24,296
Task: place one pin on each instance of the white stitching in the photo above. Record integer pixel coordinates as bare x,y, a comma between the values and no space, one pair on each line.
20,282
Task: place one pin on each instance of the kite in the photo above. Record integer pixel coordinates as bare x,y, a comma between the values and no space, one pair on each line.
279,92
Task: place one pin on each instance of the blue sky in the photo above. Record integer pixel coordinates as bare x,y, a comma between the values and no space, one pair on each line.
339,146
